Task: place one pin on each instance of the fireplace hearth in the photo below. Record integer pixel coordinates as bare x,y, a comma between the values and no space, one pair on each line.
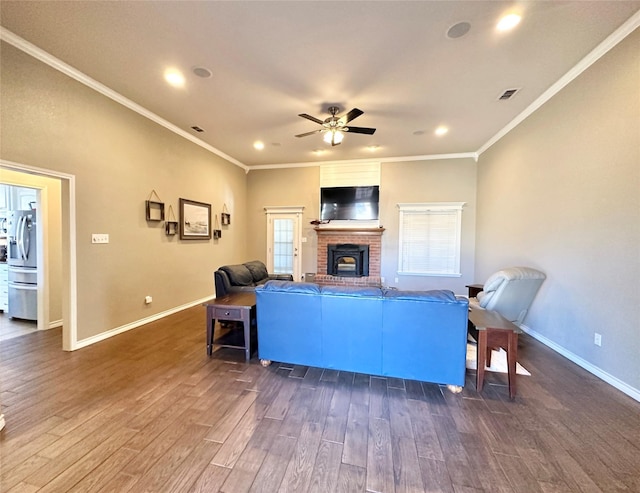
347,260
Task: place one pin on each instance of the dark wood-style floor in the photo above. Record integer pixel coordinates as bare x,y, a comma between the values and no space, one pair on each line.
149,411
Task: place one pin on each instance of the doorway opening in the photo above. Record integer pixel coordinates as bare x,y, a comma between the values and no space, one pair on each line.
50,183
20,249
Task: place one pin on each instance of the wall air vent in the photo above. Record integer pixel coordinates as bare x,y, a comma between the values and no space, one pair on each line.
508,94
197,129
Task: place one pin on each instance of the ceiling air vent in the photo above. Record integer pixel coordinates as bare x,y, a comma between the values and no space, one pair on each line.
508,94
197,129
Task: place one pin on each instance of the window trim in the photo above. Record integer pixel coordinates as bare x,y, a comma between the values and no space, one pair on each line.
426,207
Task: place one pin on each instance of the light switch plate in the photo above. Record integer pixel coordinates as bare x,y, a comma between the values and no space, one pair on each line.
99,238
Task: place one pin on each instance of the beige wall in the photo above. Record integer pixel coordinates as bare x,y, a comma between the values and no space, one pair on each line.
447,180
561,192
51,189
283,187
451,180
118,157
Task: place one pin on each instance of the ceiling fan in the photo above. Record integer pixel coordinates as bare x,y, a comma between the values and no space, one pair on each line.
334,127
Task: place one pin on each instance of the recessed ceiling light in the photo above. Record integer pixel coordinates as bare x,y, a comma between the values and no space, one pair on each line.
318,151
441,130
373,148
508,22
203,72
258,145
174,77
458,30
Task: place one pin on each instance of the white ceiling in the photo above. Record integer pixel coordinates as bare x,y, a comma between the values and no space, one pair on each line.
273,60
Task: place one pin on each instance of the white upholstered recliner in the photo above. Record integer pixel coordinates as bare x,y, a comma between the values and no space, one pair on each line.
510,292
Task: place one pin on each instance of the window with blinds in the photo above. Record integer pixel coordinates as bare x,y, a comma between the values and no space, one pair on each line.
429,242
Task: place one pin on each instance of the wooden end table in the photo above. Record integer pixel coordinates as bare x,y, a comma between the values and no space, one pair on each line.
492,330
235,307
474,289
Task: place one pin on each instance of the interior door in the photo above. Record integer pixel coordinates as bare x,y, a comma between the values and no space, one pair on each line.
284,244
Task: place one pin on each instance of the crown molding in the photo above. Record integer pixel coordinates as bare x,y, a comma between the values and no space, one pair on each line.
59,65
612,40
400,159
598,52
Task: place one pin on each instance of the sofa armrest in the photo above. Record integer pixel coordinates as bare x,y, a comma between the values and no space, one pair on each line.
222,283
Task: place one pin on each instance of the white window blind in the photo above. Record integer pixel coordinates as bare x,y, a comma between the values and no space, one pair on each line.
429,242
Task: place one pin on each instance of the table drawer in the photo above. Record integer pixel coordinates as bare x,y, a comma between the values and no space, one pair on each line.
227,314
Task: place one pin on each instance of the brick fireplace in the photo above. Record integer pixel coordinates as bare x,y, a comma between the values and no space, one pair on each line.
371,237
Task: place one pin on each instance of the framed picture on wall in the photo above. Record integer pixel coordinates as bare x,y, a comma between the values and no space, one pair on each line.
195,220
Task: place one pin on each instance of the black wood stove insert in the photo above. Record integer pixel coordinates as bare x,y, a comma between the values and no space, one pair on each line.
348,260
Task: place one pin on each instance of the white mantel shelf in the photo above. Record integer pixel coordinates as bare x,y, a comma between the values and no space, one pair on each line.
350,231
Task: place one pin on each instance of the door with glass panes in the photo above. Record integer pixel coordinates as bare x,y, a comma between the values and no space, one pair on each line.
283,243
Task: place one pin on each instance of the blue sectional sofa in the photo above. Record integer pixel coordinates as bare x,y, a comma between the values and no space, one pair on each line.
419,335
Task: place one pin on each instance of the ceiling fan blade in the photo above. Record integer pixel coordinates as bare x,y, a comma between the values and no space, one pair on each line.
352,115
310,133
312,118
360,130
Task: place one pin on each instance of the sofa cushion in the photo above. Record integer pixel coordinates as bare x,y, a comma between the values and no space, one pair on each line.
239,275
258,270
441,295
352,291
290,287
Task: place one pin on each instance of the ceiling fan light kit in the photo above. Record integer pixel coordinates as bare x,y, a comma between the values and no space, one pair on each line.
333,137
334,127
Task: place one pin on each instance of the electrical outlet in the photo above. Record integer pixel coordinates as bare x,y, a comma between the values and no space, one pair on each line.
597,339
100,238
396,279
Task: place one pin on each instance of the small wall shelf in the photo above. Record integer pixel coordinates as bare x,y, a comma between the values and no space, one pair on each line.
225,216
217,232
171,225
154,208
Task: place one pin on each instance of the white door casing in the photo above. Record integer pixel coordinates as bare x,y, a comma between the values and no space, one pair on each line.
284,240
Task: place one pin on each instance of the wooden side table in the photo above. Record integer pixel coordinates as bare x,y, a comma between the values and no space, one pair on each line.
474,289
235,307
492,330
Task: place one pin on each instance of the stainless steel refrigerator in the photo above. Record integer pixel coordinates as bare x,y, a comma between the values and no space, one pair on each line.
23,266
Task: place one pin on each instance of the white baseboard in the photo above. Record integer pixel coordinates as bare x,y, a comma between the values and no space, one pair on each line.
124,328
598,372
1,421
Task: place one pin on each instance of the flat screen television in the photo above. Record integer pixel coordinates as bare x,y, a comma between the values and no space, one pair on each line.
344,203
